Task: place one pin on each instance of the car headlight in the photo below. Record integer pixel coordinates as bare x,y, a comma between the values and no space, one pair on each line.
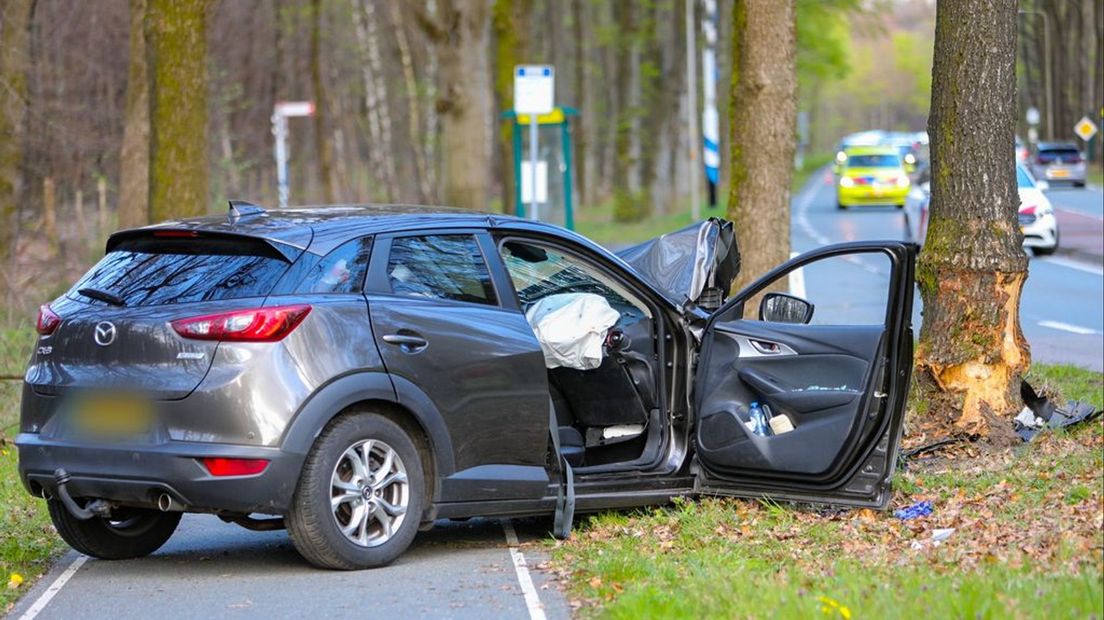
847,182
902,182
910,159
841,157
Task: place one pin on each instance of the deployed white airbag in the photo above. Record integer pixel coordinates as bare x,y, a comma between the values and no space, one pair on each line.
571,328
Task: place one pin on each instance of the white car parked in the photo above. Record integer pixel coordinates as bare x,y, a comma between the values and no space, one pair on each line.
1037,221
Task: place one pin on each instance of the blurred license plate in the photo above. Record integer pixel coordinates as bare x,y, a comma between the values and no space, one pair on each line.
113,416
1059,172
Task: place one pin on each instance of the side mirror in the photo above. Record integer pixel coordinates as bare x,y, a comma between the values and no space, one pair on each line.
1042,186
783,308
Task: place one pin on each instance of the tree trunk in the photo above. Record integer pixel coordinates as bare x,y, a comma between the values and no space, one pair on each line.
321,105
464,102
134,158
762,117
627,203
507,19
416,137
972,353
15,21
177,46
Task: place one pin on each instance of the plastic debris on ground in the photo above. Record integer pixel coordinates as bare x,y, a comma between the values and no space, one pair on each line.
919,509
571,328
938,536
1040,413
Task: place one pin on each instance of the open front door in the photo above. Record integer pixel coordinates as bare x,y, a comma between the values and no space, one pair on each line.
823,344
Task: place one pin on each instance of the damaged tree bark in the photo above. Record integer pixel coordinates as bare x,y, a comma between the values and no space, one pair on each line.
971,353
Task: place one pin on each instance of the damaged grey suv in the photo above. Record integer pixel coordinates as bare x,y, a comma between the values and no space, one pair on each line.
355,373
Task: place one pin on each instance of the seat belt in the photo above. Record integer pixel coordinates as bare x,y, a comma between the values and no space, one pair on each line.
565,498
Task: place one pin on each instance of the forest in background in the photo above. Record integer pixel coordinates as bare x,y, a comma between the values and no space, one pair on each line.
389,76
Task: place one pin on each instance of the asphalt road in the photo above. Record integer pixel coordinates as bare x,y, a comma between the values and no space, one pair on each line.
1062,310
211,569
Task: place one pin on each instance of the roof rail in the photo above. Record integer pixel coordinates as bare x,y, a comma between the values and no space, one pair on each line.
242,208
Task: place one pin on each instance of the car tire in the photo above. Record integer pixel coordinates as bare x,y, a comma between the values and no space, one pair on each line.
138,534
341,460
900,205
841,206
1079,184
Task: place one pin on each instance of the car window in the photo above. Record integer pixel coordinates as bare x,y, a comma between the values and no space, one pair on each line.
152,272
440,267
864,276
538,271
873,161
341,271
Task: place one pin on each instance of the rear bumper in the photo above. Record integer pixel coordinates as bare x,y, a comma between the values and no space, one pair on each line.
138,475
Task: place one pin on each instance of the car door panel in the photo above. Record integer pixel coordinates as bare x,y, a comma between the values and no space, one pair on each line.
842,387
483,370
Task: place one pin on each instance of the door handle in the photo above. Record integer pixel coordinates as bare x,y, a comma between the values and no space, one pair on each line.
409,343
766,348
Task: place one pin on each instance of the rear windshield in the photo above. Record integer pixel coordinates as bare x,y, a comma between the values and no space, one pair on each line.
873,161
1063,152
153,272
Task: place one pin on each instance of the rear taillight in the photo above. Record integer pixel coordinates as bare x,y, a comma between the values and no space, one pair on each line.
1027,210
256,325
218,466
48,320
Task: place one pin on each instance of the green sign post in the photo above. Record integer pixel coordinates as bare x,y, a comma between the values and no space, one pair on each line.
554,190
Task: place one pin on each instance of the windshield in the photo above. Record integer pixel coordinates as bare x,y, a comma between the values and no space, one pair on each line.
874,161
1022,178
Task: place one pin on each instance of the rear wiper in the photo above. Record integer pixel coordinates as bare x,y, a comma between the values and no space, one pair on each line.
104,296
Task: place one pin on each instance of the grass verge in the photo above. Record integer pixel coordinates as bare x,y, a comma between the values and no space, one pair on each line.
1027,542
1095,175
27,540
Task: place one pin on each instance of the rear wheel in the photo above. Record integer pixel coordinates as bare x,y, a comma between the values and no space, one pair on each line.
129,533
840,206
360,496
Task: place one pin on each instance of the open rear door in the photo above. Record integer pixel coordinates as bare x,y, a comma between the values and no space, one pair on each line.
833,355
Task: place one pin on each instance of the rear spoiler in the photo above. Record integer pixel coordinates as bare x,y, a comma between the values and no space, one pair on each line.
281,250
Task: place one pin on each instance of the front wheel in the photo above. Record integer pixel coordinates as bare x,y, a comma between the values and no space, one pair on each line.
128,533
360,495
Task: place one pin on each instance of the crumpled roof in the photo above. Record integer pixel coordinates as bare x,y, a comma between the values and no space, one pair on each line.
701,258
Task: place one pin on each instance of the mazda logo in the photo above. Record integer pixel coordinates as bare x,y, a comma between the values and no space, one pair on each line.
105,333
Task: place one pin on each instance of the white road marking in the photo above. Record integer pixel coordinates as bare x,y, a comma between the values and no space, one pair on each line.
803,203
1066,327
797,279
1072,264
532,600
54,588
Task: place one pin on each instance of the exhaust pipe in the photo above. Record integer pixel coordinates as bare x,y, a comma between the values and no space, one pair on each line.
61,477
166,503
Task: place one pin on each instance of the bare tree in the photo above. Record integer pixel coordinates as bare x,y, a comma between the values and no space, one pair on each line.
460,32
762,118
134,158
322,146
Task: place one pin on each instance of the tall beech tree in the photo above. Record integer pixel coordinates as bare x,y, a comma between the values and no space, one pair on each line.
762,125
176,37
971,353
